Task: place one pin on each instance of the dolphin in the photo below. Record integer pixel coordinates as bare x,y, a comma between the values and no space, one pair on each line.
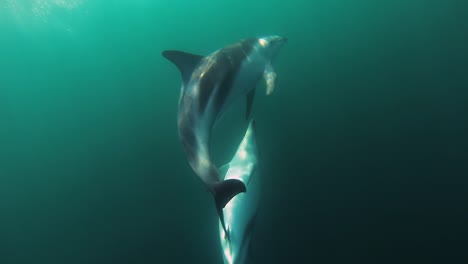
241,211
210,84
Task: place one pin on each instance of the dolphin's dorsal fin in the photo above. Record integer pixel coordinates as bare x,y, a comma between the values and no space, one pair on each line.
186,62
270,78
223,192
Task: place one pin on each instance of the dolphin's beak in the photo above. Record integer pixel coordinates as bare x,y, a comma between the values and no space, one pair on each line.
280,40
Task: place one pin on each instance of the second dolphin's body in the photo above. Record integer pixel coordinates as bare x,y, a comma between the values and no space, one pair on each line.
210,85
240,213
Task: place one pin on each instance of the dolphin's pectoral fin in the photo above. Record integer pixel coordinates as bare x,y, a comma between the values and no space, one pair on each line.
186,62
270,78
250,99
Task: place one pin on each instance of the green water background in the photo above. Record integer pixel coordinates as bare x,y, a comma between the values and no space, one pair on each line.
364,144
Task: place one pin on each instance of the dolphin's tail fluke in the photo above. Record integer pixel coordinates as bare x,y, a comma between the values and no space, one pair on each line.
223,192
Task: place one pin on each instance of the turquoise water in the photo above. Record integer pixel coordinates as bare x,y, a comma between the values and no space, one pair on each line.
364,146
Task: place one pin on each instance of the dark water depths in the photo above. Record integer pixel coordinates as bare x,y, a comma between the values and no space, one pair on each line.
364,144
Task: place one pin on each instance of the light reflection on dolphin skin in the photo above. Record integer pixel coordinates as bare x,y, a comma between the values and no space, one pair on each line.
241,211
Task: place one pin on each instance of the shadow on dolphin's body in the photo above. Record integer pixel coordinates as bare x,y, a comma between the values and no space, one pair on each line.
210,84
240,213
